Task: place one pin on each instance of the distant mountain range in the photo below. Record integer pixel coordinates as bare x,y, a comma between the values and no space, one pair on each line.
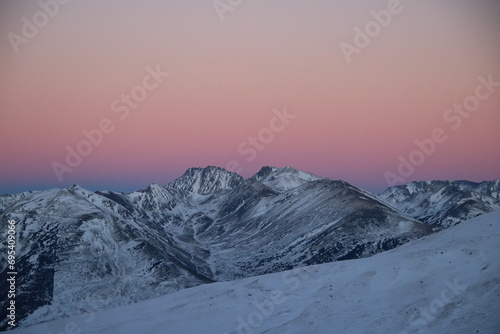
444,203
79,248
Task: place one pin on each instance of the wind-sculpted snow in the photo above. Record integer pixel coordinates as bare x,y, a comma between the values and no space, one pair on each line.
448,282
107,249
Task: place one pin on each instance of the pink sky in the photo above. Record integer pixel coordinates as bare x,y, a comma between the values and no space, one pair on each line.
353,120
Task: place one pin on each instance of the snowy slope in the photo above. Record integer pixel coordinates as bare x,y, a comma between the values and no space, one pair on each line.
444,203
448,282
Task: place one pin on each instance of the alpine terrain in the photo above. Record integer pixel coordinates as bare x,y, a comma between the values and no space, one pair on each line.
448,282
79,250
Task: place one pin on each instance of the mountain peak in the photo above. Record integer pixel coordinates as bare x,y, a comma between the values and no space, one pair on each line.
208,168
206,180
283,178
76,189
286,169
153,187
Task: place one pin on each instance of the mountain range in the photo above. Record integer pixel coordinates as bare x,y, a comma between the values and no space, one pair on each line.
444,203
81,250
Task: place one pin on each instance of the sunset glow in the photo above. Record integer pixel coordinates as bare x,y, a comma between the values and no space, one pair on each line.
230,79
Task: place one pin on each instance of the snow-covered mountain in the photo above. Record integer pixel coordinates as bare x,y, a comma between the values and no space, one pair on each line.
444,203
448,282
79,248
281,179
76,248
207,180
258,230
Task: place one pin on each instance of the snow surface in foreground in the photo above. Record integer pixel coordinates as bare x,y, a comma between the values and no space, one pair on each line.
448,282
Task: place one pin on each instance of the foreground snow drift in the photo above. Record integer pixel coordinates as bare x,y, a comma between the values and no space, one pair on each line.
448,282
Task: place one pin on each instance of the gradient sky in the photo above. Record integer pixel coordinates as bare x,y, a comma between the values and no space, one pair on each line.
353,120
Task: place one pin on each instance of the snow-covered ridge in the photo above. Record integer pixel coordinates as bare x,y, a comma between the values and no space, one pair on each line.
444,203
